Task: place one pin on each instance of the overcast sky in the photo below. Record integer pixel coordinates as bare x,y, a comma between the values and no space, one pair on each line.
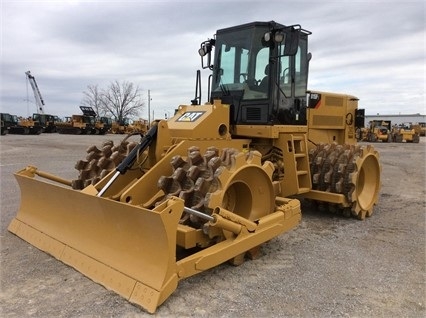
374,50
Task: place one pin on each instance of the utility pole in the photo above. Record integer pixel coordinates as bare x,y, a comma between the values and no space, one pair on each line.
149,108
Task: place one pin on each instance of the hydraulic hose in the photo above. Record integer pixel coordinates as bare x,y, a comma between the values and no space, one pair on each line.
127,163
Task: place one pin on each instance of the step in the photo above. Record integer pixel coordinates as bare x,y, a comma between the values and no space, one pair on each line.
301,172
298,138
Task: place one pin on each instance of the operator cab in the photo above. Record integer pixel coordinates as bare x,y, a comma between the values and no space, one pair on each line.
261,70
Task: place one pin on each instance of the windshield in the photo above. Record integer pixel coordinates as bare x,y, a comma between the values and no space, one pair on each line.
242,59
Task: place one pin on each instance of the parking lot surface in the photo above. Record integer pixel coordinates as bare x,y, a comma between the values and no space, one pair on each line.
329,266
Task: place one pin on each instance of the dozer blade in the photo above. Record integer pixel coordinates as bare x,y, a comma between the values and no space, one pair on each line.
128,249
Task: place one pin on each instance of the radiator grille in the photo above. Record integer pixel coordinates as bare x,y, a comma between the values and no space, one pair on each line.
333,101
253,114
319,120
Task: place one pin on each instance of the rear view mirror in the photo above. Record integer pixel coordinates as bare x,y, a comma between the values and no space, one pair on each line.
291,38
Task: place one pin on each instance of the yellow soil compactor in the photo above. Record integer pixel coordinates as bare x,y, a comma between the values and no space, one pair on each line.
212,183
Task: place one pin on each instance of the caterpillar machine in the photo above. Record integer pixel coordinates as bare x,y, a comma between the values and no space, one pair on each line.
214,182
21,125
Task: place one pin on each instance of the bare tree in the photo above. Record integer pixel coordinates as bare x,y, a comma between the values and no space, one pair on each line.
93,98
122,100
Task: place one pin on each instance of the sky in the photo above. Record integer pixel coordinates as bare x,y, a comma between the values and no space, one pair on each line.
374,50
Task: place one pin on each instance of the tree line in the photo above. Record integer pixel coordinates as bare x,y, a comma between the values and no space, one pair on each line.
119,100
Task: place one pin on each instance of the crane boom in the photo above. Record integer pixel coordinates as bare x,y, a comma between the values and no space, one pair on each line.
37,94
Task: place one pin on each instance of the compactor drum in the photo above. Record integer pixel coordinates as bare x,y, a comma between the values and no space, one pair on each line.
352,171
211,184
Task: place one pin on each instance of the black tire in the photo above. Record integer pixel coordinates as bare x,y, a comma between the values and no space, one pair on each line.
416,138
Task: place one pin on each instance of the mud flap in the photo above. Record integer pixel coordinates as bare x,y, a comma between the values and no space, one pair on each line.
128,249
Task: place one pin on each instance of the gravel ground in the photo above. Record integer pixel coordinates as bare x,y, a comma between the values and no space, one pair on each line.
327,267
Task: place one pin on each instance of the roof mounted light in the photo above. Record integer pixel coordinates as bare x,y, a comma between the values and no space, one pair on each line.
267,36
202,51
279,37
